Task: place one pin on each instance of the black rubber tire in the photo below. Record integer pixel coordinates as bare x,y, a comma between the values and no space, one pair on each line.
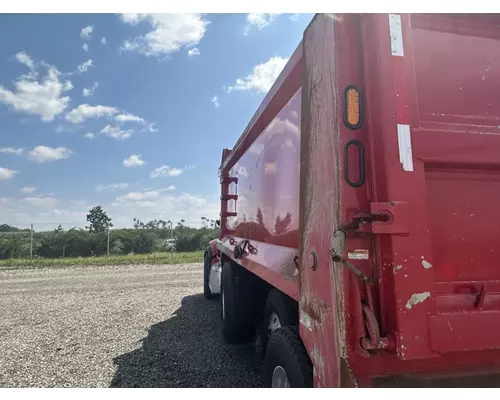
285,348
285,308
238,325
207,266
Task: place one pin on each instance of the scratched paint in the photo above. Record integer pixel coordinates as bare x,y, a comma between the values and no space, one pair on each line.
318,362
397,268
417,298
426,264
305,320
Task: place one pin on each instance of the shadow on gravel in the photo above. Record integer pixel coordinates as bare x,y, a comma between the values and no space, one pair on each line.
187,350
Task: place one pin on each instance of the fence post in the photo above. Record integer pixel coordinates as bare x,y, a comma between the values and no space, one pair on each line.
107,252
31,241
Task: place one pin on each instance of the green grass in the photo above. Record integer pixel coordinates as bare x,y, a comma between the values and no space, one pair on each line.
154,258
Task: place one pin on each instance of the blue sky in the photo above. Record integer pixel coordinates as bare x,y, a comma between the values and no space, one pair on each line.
128,111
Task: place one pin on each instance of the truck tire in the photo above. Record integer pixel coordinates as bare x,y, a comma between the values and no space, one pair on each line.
236,294
279,311
207,266
287,363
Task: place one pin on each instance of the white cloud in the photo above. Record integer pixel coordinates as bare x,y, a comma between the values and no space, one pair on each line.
11,150
103,40
129,46
85,47
144,195
170,32
112,187
193,52
85,111
164,171
43,202
152,204
139,196
294,17
42,154
129,118
84,67
28,189
133,161
262,77
86,32
89,135
215,100
116,133
144,205
132,18
151,127
38,210
6,173
44,98
87,92
259,21
61,128
25,59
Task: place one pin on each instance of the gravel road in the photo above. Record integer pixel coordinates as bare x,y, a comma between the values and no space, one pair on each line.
130,326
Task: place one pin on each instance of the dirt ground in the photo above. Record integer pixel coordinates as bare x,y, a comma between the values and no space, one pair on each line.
133,326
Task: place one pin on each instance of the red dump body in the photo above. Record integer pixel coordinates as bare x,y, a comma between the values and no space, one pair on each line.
420,212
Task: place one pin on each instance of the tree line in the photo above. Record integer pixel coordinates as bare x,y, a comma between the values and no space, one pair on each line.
145,237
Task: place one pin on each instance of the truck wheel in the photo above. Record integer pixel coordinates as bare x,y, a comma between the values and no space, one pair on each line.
279,311
287,364
207,267
236,295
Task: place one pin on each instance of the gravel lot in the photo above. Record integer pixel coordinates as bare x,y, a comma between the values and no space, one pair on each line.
131,326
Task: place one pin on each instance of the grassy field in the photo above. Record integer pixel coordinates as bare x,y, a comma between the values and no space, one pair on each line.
154,258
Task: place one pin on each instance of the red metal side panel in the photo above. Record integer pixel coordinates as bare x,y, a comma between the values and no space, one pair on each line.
456,137
354,201
321,287
268,182
435,143
408,292
266,165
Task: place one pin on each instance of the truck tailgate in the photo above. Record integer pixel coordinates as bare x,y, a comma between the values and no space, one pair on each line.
445,75
457,80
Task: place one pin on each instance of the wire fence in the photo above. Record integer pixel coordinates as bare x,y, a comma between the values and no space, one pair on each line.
57,241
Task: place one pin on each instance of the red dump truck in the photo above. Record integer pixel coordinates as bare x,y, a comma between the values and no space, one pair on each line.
360,217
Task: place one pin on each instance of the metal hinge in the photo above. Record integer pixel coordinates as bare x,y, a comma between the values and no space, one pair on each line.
337,253
384,218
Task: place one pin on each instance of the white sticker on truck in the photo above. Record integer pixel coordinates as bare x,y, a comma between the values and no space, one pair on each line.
405,151
396,35
359,254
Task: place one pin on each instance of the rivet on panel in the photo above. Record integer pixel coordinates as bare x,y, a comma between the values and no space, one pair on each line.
313,260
